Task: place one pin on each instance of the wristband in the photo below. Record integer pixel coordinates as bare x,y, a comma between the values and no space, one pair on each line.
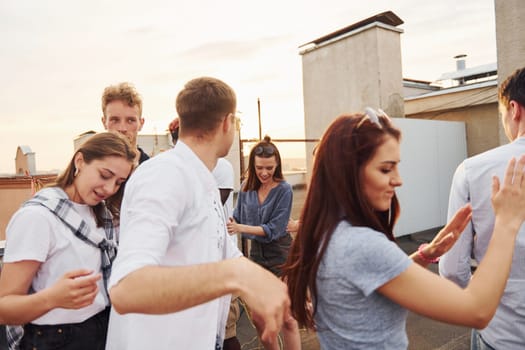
425,258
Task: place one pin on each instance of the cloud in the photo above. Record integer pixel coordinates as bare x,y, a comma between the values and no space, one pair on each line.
241,60
141,30
235,50
56,57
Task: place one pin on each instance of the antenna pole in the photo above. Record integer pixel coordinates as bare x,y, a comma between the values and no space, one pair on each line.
259,116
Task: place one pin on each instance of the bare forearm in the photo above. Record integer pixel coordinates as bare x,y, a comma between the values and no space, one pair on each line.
252,230
291,335
22,309
161,290
418,260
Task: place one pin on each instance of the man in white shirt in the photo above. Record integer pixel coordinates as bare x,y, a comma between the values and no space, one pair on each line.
171,282
471,184
224,176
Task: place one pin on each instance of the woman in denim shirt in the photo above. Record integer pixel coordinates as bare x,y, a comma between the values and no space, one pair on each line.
263,208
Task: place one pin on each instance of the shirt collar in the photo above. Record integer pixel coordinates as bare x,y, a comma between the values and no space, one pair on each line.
202,171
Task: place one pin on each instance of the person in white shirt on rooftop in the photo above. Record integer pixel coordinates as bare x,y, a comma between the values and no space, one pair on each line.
470,185
176,268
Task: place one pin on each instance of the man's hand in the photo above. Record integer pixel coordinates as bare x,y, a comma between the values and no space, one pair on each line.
266,296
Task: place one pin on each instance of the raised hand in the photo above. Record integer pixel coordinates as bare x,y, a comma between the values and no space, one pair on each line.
449,234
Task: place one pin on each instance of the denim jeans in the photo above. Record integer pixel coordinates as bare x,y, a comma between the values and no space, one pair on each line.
87,335
271,255
477,342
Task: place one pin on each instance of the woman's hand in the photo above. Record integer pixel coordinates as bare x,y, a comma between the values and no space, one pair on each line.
75,290
293,225
232,227
449,234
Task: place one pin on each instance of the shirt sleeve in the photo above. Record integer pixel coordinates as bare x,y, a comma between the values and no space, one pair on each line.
223,174
275,226
151,210
369,260
29,235
455,264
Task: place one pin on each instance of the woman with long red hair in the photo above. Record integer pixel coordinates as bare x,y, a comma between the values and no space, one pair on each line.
345,259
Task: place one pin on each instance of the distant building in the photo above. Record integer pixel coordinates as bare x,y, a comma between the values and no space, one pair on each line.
346,71
80,139
152,144
25,161
469,95
413,87
359,66
14,190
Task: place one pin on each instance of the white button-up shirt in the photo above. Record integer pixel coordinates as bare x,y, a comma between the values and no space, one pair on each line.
171,216
472,183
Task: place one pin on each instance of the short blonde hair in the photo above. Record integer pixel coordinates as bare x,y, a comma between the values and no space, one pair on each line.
124,92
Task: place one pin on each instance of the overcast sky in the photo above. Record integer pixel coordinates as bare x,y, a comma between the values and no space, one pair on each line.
57,56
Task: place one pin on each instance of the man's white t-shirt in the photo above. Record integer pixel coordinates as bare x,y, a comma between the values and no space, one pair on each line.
171,215
223,174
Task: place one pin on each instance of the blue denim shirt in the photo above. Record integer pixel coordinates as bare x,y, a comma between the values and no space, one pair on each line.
272,215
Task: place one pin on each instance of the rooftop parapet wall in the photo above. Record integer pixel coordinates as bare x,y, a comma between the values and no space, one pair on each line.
16,190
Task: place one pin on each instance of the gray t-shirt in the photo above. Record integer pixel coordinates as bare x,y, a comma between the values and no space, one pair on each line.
350,313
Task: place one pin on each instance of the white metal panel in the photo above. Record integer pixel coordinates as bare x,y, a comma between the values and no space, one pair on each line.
430,152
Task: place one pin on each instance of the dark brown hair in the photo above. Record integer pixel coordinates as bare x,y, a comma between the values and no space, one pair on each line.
252,182
513,88
335,193
99,146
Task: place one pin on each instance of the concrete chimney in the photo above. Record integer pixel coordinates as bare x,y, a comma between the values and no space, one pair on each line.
25,162
460,62
352,68
355,67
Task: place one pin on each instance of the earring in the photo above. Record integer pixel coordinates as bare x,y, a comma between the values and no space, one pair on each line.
76,172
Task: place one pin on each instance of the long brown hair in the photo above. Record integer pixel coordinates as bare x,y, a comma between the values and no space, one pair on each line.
335,193
252,182
99,146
